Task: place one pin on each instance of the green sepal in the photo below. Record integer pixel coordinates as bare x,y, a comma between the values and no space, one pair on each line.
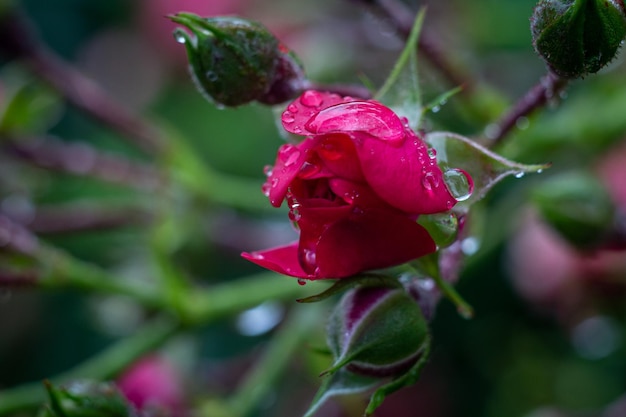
485,168
344,284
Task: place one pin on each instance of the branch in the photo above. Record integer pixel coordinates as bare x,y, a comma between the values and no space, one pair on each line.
18,40
401,19
83,159
548,88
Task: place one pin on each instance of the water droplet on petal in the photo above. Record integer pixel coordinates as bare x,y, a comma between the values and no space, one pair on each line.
287,117
301,281
292,158
257,256
292,108
459,183
358,116
311,98
308,170
430,181
275,182
432,153
267,170
266,188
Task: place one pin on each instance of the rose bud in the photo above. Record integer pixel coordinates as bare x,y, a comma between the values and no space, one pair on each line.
376,331
578,37
86,399
235,61
578,207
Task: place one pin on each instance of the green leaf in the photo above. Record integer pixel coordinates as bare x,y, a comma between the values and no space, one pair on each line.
342,382
401,90
458,155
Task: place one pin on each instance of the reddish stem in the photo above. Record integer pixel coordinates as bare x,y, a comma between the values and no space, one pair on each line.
19,41
548,88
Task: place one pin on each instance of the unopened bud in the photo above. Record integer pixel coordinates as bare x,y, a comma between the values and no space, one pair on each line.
578,37
235,61
376,331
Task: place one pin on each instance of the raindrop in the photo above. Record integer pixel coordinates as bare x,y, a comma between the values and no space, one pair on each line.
430,181
180,36
260,319
294,212
257,256
459,183
432,153
267,170
301,281
292,158
519,174
275,182
308,170
436,109
311,99
211,75
292,108
287,117
266,189
359,116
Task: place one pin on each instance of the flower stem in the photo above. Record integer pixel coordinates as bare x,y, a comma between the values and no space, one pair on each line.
465,310
549,86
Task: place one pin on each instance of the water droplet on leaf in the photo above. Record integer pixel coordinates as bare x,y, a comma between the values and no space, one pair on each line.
301,281
459,184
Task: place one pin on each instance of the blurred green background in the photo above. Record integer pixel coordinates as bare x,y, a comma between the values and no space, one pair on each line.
548,338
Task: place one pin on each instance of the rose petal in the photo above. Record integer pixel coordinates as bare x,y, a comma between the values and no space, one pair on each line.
359,116
371,240
406,177
304,107
356,194
338,156
288,163
283,259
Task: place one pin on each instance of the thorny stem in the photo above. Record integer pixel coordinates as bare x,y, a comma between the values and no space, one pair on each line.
402,19
19,41
549,87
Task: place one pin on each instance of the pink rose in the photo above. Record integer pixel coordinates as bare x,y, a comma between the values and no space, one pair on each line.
355,187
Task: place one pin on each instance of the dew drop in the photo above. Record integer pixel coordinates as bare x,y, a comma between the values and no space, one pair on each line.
267,170
211,75
275,182
459,184
257,256
301,281
519,174
292,158
180,36
436,109
311,98
373,118
287,117
430,181
266,188
432,153
292,108
308,170
294,213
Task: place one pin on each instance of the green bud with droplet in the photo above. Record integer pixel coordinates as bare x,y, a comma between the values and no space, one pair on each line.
578,207
235,61
578,37
376,331
86,399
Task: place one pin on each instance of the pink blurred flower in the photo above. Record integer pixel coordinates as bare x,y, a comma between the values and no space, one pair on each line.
152,382
355,186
